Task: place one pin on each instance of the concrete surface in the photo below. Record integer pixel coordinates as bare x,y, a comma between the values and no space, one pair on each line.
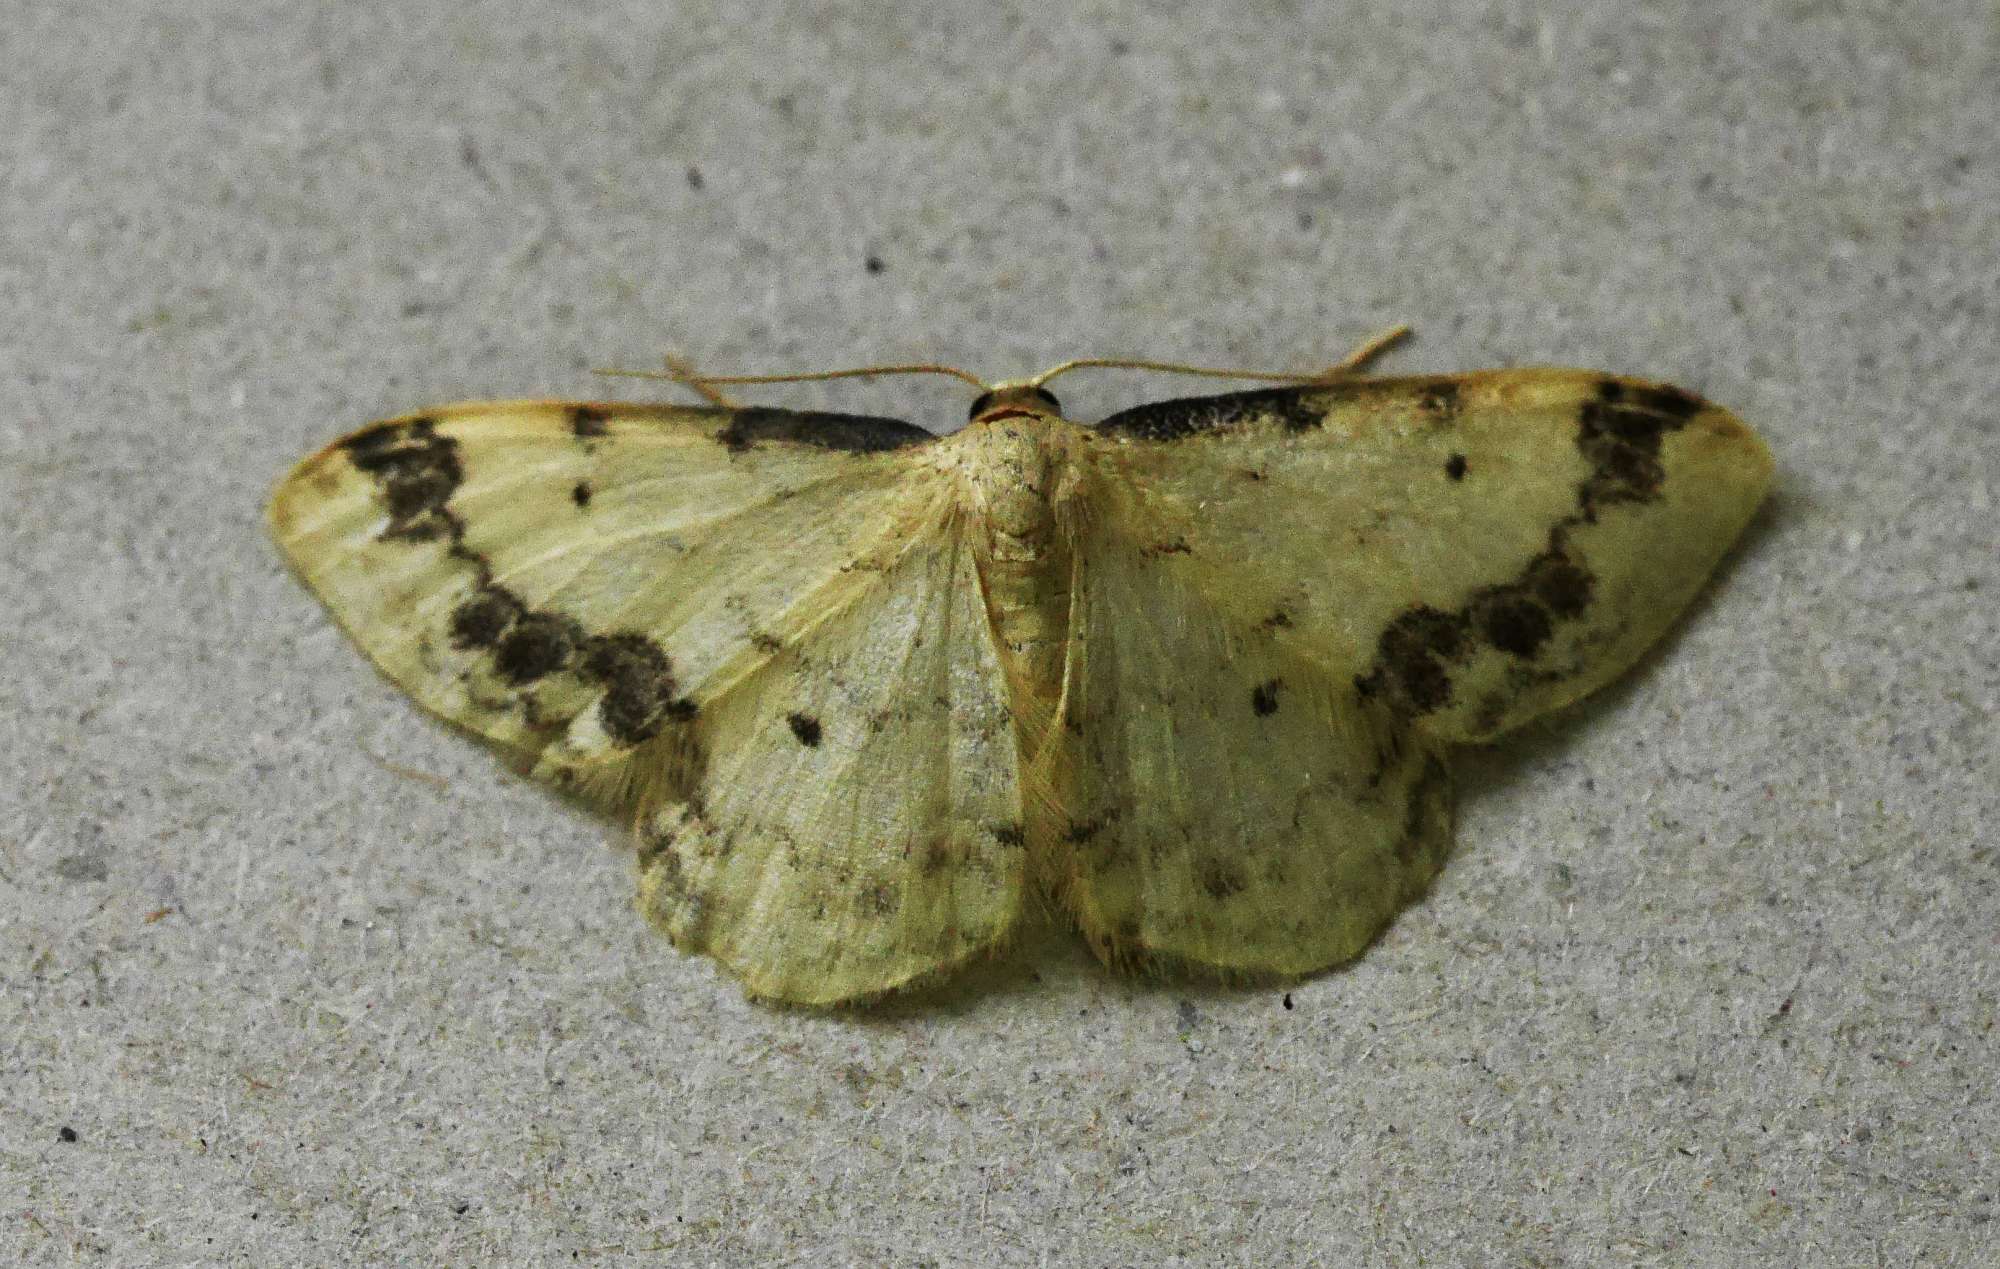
289,974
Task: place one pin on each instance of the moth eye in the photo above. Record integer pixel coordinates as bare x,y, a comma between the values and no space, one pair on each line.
979,404
1049,397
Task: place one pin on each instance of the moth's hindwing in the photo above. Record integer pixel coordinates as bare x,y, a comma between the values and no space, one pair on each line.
858,824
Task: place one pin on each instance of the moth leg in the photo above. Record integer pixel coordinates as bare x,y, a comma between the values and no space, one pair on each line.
1368,350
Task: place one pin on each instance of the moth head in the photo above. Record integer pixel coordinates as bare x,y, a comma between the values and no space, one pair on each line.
1015,397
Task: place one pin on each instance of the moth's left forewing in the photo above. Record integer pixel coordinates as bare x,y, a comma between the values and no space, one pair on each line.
1290,600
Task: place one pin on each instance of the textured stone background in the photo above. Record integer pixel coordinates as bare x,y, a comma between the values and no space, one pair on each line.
1711,978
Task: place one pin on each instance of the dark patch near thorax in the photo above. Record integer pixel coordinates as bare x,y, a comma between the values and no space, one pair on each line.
1294,408
854,433
805,728
1298,408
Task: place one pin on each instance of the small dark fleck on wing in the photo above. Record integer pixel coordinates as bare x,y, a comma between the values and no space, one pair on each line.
1264,698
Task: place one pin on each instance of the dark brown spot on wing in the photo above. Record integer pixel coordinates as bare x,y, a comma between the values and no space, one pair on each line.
588,422
1511,622
1561,586
481,620
1264,698
418,471
638,685
1411,659
581,494
1664,399
1454,467
1619,432
1439,398
1220,879
536,646
806,728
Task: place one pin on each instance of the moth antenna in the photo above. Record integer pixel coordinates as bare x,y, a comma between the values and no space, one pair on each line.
857,372
684,373
1369,350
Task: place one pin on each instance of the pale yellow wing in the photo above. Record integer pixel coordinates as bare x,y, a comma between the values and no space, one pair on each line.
1472,550
1228,803
1289,601
858,820
574,582
760,628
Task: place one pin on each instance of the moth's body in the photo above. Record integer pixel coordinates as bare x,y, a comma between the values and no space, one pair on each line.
1017,475
1190,671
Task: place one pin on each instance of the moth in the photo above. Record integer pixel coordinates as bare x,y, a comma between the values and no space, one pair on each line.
1191,674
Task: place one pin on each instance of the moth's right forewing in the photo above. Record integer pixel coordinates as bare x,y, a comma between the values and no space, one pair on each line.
572,582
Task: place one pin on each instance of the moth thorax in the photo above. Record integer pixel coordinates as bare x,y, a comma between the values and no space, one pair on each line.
1014,469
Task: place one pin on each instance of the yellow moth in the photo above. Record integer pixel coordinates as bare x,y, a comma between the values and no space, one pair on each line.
1190,673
